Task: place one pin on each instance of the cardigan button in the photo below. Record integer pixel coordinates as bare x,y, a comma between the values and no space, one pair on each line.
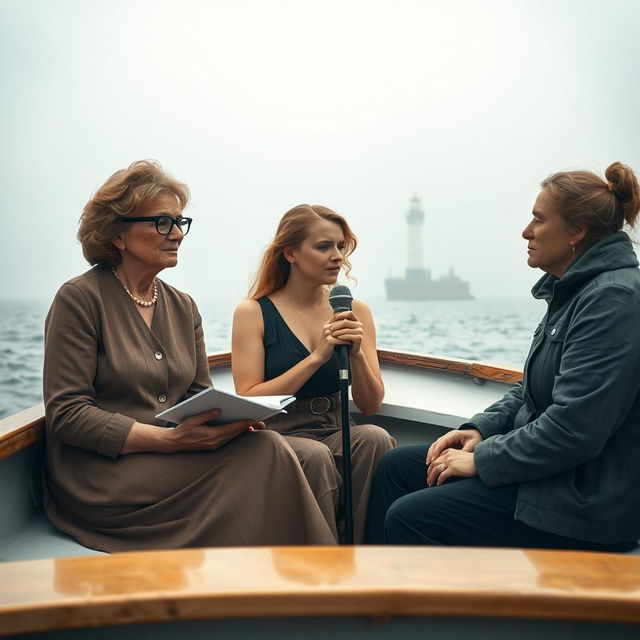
162,397
158,355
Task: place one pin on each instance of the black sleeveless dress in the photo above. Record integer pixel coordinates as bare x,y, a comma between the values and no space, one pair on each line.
283,350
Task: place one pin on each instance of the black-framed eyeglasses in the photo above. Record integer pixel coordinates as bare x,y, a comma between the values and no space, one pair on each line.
164,224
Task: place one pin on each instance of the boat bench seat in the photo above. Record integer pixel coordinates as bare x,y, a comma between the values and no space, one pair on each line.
28,534
40,539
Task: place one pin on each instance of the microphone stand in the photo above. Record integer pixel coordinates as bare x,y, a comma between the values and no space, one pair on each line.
343,368
340,299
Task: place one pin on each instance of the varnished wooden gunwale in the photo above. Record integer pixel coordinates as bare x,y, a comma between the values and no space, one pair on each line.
27,427
480,370
21,430
188,584
220,359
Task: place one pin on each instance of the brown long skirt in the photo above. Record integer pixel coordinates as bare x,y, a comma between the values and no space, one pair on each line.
317,441
252,491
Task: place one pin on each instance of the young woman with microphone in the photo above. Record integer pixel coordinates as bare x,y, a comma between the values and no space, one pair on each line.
283,342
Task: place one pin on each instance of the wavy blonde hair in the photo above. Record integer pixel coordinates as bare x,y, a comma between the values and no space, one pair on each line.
124,194
292,230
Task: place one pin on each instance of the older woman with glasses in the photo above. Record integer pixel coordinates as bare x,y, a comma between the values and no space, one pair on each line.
121,346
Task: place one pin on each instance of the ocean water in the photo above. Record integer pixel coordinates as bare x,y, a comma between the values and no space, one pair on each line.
497,331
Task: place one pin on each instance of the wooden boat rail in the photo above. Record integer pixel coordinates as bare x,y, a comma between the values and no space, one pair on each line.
290,582
23,429
479,370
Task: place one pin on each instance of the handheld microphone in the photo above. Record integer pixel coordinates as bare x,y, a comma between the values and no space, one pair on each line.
340,299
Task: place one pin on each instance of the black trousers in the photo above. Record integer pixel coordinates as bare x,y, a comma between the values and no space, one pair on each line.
403,510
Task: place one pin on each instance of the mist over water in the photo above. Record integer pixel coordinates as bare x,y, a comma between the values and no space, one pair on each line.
356,105
353,104
497,331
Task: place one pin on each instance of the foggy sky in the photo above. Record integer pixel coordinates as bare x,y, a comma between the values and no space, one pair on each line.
358,106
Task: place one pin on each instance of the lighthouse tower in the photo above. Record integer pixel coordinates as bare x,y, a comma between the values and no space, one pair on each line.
415,220
417,283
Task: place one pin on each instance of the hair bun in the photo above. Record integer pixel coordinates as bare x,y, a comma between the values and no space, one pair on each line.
623,183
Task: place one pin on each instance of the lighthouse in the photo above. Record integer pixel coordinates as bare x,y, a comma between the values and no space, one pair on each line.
417,283
415,220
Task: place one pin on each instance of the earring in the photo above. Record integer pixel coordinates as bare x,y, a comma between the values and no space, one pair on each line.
573,247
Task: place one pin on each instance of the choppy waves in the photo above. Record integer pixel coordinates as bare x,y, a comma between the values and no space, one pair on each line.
21,341
497,331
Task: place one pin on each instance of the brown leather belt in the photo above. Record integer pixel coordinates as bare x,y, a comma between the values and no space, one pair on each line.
318,406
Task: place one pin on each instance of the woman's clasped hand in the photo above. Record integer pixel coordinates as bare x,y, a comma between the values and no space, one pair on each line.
345,328
451,456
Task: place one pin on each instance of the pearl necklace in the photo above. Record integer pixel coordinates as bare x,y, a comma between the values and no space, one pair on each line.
142,303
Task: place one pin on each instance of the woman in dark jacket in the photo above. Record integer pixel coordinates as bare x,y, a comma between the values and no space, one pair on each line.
556,462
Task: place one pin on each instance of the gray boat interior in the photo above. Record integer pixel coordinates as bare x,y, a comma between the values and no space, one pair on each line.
408,413
419,406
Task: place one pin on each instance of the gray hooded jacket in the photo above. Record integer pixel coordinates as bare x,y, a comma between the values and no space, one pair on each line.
569,433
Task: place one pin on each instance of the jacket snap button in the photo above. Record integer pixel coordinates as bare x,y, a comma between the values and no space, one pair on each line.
553,331
162,397
158,355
